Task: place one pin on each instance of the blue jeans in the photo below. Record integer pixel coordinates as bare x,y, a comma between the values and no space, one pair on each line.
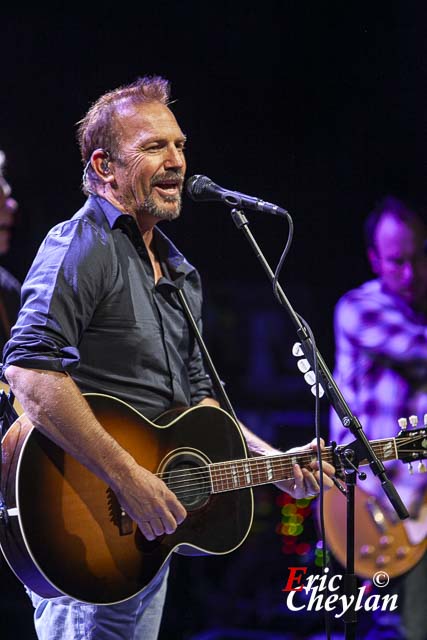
66,619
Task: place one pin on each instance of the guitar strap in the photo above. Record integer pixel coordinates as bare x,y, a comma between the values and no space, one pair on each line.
216,379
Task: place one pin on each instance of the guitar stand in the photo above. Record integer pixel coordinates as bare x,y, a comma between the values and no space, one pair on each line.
8,416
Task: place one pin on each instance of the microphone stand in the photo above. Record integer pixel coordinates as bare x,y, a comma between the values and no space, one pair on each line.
349,456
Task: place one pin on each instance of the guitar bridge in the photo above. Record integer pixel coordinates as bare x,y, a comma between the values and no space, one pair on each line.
119,517
126,523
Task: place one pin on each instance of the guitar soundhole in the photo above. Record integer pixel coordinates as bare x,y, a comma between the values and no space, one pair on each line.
187,475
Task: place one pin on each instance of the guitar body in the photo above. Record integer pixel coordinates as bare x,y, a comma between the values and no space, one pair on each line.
16,405
381,543
66,533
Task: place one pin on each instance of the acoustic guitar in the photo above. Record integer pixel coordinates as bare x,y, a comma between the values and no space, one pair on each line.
63,531
16,405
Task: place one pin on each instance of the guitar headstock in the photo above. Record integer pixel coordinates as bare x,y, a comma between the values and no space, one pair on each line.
411,444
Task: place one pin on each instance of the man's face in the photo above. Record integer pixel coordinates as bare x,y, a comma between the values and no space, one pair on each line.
400,261
150,170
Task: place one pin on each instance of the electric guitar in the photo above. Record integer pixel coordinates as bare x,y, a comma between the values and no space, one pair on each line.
381,538
63,531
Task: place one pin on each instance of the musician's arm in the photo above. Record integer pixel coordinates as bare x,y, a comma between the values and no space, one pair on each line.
55,406
305,483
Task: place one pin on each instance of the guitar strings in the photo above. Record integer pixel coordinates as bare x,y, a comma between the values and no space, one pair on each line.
274,459
255,466
226,474
224,480
256,462
186,486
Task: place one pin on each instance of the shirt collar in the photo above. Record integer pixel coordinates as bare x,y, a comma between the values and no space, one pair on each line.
168,252
110,211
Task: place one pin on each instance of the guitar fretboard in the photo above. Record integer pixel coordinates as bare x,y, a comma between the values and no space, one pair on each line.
250,472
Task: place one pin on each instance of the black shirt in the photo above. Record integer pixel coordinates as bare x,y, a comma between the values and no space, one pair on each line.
90,307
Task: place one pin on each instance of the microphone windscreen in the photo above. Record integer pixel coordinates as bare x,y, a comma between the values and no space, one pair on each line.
196,185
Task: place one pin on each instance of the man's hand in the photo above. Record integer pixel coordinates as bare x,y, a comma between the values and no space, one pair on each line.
55,405
149,502
306,482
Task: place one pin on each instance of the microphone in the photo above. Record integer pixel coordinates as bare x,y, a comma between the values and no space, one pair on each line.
203,189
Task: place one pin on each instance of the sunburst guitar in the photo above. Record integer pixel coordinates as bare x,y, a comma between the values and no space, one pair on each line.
381,540
63,531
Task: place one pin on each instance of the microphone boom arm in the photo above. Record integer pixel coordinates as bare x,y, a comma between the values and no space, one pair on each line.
332,391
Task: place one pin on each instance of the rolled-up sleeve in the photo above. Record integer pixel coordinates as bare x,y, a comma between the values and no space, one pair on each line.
62,288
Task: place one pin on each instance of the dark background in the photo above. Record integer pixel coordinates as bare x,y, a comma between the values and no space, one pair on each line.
316,106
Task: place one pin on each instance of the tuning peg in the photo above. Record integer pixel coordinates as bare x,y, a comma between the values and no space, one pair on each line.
421,467
403,423
410,469
296,350
413,421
